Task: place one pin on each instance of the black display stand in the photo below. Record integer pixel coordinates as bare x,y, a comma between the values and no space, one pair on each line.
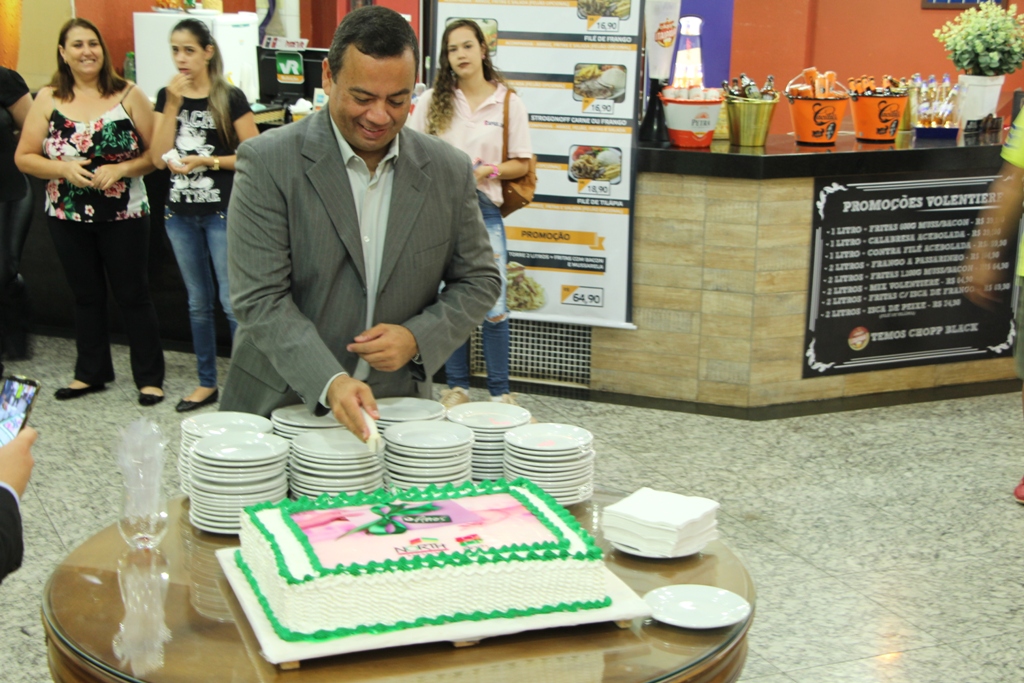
653,128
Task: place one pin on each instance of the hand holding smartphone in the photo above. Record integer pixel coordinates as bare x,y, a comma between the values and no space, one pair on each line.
16,400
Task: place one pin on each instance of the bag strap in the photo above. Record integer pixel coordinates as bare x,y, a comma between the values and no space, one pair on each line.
504,129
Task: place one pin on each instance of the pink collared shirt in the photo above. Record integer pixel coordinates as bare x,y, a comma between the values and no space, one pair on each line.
478,133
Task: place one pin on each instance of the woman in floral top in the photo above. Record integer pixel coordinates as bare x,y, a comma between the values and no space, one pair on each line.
87,133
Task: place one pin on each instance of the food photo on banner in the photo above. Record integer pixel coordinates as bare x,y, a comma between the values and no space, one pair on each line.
575,66
889,275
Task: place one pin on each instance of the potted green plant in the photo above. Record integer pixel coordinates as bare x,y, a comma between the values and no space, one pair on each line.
986,42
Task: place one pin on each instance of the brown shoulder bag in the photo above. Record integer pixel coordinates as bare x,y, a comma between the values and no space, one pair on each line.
517,192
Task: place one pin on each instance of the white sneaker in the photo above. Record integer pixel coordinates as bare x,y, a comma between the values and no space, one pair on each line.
454,397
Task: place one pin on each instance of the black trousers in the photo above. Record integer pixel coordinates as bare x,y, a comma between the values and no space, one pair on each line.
15,219
92,254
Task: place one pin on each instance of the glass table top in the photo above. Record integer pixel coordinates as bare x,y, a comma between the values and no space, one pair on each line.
171,616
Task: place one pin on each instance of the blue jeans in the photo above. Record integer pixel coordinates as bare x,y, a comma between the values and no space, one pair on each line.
198,240
495,334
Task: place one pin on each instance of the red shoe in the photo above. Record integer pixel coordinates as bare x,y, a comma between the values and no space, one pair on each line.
1018,492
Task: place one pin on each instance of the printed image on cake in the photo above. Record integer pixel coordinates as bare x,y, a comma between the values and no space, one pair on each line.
380,562
469,525
599,81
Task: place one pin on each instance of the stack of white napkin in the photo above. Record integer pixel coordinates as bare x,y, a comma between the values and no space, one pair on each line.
661,524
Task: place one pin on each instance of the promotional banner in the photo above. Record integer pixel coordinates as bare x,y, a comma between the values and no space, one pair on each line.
888,275
661,21
575,66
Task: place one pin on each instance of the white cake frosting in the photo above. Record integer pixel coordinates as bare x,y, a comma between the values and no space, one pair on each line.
372,563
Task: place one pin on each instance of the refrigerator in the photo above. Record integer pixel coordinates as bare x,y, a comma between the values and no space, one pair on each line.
237,35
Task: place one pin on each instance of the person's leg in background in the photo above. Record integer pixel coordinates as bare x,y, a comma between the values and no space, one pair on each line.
15,219
188,235
217,242
77,248
456,371
124,248
495,331
1018,361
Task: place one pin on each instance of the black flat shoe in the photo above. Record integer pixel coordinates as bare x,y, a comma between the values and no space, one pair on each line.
184,405
65,393
149,399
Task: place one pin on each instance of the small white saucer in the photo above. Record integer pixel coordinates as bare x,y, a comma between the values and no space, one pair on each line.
697,606
630,550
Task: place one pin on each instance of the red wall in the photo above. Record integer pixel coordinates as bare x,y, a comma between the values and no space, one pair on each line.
317,21
871,37
319,18
778,37
114,20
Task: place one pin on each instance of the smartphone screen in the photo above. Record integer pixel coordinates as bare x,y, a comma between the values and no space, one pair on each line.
16,400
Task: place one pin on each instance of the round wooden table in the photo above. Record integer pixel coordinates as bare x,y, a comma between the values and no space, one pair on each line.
105,626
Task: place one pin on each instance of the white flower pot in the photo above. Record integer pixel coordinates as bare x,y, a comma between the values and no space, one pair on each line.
978,96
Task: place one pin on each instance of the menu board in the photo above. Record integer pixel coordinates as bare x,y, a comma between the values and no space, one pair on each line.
888,274
575,65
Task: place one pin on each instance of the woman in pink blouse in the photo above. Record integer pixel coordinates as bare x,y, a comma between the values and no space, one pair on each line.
466,109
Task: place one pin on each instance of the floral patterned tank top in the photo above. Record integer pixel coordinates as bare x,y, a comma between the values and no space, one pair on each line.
110,139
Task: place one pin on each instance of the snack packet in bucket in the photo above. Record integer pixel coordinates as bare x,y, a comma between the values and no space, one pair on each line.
817,106
877,111
877,119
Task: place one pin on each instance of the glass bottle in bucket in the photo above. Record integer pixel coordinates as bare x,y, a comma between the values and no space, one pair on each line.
688,65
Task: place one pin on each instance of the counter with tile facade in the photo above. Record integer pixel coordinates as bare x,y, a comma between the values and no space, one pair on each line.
721,265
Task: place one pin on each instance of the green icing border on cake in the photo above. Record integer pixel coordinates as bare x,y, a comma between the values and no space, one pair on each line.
287,634
546,551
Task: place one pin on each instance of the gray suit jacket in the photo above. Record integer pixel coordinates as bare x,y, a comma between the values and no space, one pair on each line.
295,264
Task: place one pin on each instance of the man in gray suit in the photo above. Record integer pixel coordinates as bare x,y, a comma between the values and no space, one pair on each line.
341,229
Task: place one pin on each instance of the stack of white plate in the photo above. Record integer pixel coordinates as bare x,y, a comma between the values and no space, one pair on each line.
401,409
213,424
418,454
332,461
291,421
558,458
232,471
489,422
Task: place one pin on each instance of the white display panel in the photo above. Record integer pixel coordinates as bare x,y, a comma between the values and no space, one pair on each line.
569,250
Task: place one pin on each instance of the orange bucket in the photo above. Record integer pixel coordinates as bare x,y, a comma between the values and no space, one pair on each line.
877,118
816,122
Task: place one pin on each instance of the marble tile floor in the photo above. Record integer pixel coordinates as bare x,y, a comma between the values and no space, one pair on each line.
884,543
